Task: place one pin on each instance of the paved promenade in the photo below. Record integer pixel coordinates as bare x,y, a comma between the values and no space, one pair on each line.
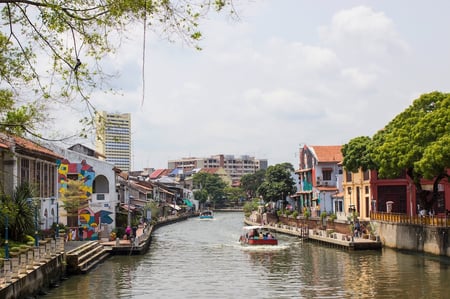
323,236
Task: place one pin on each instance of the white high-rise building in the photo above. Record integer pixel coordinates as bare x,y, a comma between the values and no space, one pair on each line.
114,138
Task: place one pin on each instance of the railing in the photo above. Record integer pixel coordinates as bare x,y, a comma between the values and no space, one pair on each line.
439,221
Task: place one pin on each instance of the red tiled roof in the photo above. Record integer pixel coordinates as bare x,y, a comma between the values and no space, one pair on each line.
210,170
27,145
328,153
157,173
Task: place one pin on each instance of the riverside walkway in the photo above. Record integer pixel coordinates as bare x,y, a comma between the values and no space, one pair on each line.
325,237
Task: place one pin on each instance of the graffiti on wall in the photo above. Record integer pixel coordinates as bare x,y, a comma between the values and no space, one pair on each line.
83,171
91,222
87,218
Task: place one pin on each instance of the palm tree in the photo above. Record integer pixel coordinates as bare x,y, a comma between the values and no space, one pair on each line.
20,213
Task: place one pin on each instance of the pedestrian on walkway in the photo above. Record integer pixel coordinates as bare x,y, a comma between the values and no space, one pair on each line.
128,232
80,233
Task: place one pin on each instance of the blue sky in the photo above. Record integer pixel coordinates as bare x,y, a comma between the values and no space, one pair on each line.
287,73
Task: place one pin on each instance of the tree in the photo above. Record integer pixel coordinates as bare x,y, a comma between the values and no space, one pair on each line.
250,182
278,182
356,154
234,194
73,199
416,141
50,51
19,211
212,184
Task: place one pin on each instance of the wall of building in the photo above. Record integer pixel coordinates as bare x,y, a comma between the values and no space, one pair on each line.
98,215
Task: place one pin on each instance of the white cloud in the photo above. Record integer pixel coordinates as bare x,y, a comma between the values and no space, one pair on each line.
362,30
261,88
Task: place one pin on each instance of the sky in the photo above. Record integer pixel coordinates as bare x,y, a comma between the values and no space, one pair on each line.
287,73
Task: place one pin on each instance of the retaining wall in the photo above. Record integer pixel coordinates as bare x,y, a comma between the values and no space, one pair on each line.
36,281
420,238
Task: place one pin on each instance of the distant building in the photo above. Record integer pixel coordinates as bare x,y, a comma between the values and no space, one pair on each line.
113,138
318,173
235,166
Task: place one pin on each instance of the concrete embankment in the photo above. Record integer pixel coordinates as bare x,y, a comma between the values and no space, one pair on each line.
326,237
418,238
33,272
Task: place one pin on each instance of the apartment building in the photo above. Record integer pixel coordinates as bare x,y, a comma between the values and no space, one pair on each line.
235,166
114,138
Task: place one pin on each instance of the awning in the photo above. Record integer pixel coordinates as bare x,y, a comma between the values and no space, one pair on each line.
125,207
338,195
176,207
188,202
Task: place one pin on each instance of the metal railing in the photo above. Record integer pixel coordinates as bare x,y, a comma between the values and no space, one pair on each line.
438,221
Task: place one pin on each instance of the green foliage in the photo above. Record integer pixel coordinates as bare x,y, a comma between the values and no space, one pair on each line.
333,217
68,40
295,214
416,141
20,213
251,182
250,206
73,199
356,154
323,215
412,139
278,182
233,194
306,214
210,186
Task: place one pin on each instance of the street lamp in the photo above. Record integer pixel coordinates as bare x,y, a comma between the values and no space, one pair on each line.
30,201
6,238
57,216
129,210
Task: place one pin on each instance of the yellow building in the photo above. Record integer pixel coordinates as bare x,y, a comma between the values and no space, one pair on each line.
357,193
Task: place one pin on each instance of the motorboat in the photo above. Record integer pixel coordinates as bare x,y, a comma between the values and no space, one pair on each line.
207,214
257,235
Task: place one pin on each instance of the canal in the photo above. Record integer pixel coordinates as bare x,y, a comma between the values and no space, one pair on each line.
203,259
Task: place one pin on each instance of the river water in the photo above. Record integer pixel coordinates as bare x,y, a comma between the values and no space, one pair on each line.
203,259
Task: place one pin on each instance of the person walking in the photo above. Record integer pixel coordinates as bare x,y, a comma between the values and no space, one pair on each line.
128,232
80,233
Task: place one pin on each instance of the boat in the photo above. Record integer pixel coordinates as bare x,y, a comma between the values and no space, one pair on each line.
257,235
207,214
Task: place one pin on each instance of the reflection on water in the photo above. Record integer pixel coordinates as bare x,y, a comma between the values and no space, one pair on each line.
203,259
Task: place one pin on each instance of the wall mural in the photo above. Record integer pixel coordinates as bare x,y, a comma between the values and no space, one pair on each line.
91,222
85,173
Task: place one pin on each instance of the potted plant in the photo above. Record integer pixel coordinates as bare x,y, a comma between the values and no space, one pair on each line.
372,231
306,214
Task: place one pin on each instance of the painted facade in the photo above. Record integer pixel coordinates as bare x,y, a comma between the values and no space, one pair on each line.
318,177
357,193
97,210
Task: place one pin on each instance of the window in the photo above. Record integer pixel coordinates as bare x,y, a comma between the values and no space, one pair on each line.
338,206
24,171
366,175
366,189
348,176
326,175
100,185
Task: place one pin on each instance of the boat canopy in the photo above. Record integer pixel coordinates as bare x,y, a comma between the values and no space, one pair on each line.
251,227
